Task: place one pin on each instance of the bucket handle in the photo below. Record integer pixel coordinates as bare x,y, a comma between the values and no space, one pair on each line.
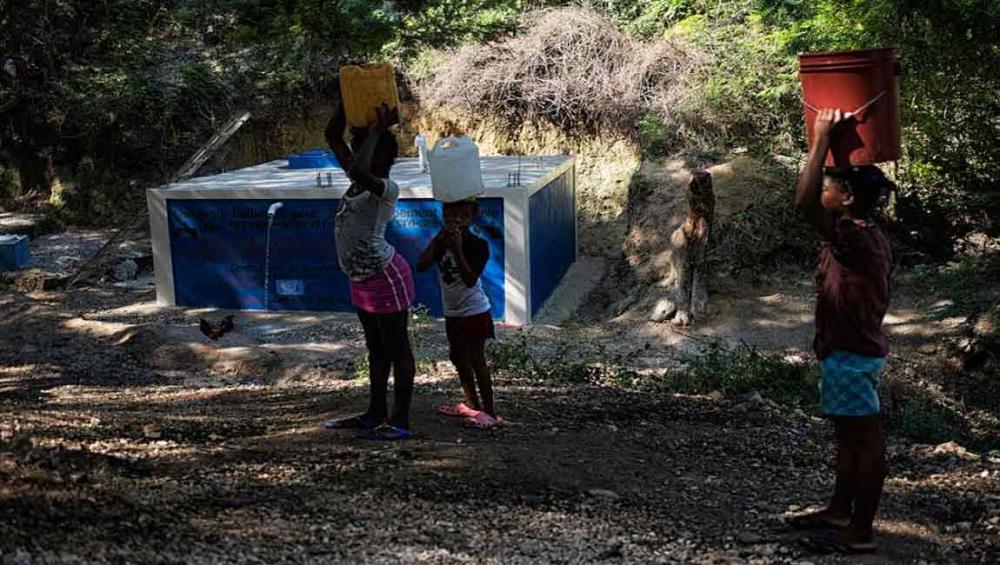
863,107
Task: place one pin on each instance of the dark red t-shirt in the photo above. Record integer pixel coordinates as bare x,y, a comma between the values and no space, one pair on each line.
852,289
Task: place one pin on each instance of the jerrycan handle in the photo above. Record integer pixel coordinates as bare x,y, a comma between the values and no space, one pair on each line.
447,142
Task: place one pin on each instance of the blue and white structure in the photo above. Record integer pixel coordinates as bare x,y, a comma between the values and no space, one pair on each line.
213,236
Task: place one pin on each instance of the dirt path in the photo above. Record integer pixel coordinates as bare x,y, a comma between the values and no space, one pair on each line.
104,459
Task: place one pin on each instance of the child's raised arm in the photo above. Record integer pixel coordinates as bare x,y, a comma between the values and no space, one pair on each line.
810,190
431,253
335,137
360,170
465,270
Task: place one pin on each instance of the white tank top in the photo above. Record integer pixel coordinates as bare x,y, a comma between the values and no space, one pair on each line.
458,299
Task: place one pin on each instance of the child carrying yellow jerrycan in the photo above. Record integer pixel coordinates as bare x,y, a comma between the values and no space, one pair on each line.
365,88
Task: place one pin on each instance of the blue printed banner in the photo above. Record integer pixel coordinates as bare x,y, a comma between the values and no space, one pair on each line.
219,253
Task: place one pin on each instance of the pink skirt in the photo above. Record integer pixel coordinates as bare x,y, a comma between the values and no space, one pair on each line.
387,292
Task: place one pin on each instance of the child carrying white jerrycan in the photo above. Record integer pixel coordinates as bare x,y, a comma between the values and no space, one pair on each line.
455,172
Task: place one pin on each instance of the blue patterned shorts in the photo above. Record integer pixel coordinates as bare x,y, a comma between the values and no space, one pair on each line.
849,384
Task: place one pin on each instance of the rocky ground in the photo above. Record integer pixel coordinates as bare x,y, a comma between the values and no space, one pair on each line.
125,436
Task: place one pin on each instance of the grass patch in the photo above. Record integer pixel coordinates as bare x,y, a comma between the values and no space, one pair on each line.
361,367
566,365
924,421
964,287
741,368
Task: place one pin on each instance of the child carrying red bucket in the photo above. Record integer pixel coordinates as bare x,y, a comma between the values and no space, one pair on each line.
852,286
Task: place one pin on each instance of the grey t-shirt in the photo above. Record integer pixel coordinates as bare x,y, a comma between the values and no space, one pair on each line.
359,229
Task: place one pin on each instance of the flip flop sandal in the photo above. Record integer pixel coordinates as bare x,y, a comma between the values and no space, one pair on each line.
352,423
814,521
828,545
482,421
388,433
460,410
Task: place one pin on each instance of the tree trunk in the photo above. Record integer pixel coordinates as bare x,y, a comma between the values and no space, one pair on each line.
689,299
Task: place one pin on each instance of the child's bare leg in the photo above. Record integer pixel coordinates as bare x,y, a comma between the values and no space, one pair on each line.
843,489
395,354
379,367
397,340
477,356
459,355
838,513
870,477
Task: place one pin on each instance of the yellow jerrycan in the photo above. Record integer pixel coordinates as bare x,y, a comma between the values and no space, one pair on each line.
366,87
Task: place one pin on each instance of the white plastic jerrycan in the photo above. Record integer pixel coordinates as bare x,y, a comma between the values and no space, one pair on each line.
455,172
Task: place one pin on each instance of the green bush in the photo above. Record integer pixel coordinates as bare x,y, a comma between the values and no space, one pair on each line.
654,141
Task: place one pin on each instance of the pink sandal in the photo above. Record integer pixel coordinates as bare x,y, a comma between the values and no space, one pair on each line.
460,410
483,421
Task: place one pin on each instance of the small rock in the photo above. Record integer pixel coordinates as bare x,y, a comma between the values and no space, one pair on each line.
683,318
604,493
613,552
752,397
126,270
963,526
928,349
151,432
749,401
749,538
22,557
953,449
663,310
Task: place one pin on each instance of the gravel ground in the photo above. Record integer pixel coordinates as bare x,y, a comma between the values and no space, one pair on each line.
106,459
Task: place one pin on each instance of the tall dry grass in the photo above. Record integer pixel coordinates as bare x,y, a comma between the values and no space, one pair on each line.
572,68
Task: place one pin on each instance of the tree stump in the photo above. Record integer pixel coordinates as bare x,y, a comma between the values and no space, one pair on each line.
689,297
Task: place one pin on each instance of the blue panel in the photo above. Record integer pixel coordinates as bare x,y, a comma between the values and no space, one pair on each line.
217,250
552,233
14,252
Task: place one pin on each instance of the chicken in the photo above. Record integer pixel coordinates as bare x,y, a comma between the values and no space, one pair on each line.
215,331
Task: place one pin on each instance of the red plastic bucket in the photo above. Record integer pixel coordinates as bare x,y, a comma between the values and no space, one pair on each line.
865,83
